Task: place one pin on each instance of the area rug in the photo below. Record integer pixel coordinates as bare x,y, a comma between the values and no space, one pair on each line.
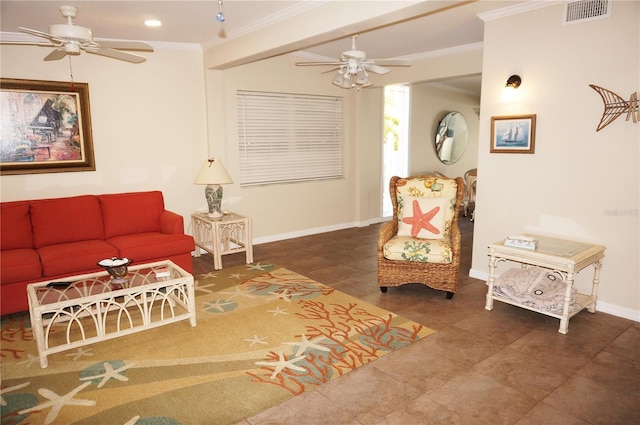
264,334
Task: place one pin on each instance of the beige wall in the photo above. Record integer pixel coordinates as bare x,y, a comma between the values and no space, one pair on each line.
428,106
148,121
579,184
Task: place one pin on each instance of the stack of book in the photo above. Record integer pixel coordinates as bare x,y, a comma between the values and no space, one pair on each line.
521,241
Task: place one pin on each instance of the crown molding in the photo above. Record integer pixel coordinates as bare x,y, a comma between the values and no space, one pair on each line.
517,9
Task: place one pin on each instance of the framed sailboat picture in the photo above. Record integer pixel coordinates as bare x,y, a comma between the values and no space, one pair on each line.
513,134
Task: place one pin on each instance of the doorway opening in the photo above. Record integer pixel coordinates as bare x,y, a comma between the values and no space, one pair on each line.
395,140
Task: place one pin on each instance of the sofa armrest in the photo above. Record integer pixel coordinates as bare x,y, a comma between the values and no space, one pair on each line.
171,223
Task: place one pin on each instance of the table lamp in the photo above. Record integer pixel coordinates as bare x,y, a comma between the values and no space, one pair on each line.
213,174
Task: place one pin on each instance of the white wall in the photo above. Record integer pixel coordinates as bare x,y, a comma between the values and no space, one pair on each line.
148,122
579,184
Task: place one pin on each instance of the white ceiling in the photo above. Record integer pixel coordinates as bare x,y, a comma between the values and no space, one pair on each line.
453,23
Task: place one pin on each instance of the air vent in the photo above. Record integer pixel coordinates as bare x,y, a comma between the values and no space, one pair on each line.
586,10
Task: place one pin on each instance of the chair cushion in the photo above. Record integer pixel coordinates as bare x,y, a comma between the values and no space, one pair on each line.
19,265
431,187
75,257
64,220
406,248
15,225
424,218
131,213
146,246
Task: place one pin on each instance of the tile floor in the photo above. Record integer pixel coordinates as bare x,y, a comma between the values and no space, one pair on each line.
506,366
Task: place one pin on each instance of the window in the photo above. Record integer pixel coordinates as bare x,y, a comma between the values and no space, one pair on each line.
288,137
396,140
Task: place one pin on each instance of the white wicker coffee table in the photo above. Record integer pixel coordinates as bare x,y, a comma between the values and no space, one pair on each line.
81,310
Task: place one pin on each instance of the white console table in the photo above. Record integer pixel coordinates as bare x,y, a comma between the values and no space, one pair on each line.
563,257
224,235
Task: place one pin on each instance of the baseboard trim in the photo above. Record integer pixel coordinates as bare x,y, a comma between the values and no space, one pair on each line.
614,310
314,231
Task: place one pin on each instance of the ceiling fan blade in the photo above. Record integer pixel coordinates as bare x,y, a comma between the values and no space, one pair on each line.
331,70
42,34
56,54
117,54
336,63
375,68
27,43
391,62
137,46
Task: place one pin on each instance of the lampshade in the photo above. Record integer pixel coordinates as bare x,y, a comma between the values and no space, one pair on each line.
213,172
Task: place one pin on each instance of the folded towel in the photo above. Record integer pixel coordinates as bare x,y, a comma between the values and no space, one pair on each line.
535,287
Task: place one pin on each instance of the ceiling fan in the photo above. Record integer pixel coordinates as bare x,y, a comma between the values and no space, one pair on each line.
70,39
353,67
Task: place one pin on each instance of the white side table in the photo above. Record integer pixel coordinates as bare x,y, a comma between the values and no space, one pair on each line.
219,236
563,257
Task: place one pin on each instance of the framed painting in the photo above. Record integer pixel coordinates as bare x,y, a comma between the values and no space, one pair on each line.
45,127
513,134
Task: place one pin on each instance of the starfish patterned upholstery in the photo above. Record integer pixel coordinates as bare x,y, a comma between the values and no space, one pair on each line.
421,244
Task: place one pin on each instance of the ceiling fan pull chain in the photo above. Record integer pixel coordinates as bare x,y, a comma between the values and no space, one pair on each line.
220,15
73,87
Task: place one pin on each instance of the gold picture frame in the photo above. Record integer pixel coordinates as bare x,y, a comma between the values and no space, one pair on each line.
45,128
513,134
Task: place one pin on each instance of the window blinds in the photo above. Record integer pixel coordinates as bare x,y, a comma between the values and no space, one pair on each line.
288,137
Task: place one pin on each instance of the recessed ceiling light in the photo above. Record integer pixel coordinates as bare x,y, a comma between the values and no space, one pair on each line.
152,23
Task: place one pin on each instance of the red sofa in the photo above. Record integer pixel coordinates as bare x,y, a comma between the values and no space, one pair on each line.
53,238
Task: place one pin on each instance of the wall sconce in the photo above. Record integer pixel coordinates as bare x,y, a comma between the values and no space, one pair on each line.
514,82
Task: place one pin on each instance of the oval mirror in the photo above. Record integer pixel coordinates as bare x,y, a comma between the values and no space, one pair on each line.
451,137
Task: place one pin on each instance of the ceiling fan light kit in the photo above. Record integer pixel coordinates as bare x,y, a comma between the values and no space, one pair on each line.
70,39
353,66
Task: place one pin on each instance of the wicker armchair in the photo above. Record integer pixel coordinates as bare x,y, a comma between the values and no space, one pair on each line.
407,256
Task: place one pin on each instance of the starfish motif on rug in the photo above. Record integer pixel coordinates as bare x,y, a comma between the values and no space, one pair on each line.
8,390
421,220
80,352
204,288
57,402
219,305
31,359
258,266
238,291
109,372
305,344
282,364
278,311
283,295
256,340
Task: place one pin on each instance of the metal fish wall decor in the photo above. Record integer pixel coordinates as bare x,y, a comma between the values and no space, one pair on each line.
614,106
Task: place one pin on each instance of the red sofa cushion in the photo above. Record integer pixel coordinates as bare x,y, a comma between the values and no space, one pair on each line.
145,246
75,257
19,264
130,213
15,225
63,220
